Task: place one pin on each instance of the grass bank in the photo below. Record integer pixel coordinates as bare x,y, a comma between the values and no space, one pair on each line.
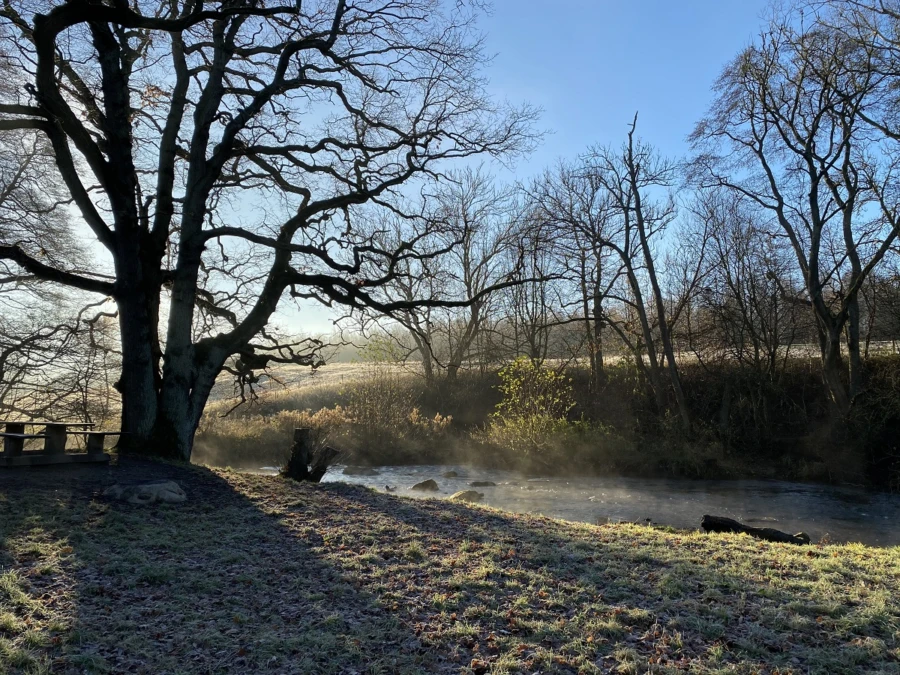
259,574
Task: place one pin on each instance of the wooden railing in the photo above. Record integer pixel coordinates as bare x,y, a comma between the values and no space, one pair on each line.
55,436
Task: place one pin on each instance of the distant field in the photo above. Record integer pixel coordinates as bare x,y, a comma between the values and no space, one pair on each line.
338,373
283,378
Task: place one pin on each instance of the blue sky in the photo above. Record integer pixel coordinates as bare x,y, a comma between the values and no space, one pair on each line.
590,64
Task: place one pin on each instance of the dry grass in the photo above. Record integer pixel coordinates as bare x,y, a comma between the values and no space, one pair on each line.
371,413
259,574
775,428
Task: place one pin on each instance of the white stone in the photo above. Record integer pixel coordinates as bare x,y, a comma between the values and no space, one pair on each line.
166,491
467,496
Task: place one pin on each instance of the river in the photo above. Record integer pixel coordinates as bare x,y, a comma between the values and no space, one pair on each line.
825,512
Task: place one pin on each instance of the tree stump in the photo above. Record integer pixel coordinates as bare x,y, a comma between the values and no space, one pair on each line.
297,466
305,462
321,460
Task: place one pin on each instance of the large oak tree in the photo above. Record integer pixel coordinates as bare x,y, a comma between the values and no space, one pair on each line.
226,154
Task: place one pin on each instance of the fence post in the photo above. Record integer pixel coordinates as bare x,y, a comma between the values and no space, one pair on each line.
12,447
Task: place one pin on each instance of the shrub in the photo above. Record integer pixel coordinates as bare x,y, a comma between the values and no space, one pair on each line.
385,421
532,425
379,407
532,391
531,417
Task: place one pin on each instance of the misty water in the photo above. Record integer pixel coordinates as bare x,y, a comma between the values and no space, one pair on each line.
838,514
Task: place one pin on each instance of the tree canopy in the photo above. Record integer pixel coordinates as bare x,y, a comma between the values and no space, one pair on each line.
224,154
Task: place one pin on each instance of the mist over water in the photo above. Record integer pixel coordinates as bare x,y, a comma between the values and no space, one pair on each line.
839,514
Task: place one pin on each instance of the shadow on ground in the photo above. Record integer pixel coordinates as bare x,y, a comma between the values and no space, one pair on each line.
214,585
259,574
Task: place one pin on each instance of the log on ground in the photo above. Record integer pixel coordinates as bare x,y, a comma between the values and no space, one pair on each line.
720,524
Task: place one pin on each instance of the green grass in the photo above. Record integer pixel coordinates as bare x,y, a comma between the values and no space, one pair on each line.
259,574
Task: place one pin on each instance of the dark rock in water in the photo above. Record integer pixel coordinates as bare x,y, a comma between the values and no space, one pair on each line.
390,489
359,471
450,474
467,496
482,483
426,486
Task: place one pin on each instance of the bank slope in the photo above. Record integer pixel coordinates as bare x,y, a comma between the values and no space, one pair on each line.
259,574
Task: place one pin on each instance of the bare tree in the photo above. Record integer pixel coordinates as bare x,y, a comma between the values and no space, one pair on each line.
631,176
55,360
881,308
528,308
748,296
786,131
228,151
485,220
415,278
53,345
576,208
476,223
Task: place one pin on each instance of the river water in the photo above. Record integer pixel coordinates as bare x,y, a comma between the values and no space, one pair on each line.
836,514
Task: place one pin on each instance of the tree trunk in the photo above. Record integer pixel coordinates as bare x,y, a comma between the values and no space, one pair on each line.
424,347
137,384
680,398
173,433
598,328
653,373
593,310
597,372
832,369
428,367
853,349
160,415
665,336
177,422
725,412
591,328
466,340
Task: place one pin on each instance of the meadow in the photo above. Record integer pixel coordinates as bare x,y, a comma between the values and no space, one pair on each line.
263,574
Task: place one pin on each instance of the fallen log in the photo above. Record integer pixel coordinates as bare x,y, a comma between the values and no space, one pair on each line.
720,524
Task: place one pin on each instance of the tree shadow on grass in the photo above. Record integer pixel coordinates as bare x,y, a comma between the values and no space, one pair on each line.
213,585
258,574
652,595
